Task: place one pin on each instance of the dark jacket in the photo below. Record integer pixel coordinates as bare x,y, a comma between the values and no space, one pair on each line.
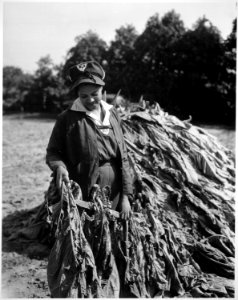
73,145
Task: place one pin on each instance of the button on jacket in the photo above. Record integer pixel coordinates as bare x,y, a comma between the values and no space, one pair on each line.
73,145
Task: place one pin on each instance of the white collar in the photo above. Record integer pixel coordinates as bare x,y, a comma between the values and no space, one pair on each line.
78,106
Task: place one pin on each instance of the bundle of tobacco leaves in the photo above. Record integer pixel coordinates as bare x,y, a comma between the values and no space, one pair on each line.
180,238
81,263
71,259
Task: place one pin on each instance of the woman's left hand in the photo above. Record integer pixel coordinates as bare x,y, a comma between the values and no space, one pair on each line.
125,207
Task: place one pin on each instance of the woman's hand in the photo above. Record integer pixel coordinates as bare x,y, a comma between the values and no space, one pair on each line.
62,175
125,207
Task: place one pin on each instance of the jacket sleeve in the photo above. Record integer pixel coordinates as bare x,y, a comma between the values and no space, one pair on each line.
126,170
55,152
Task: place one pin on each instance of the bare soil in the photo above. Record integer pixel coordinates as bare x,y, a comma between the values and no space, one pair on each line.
25,178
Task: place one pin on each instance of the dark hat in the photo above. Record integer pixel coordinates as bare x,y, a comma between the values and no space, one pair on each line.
86,72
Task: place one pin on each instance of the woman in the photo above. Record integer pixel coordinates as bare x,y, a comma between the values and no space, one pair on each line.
87,144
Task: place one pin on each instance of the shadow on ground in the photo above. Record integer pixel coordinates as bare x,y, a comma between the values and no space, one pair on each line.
21,237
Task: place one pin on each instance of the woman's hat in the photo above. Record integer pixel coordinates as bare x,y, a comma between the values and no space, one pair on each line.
86,72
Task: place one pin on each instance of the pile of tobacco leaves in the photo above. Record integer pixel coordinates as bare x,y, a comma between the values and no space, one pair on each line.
180,238
184,183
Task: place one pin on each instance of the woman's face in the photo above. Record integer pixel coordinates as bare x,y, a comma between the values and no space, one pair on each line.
90,95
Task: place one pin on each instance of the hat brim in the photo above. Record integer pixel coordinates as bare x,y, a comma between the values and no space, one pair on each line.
97,81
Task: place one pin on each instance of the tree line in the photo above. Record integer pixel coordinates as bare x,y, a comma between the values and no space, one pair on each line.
189,72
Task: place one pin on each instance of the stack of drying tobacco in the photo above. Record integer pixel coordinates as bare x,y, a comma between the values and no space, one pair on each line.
184,183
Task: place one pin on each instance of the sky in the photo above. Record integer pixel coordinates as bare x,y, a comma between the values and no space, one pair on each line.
33,29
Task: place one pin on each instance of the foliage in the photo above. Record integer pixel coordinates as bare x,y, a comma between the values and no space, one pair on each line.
89,46
16,86
198,59
227,84
187,71
154,56
119,57
48,90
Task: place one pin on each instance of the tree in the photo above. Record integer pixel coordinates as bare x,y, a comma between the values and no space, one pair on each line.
60,91
154,56
119,57
227,83
89,46
44,87
198,60
16,86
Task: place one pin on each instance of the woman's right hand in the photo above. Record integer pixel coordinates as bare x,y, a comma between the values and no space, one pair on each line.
62,175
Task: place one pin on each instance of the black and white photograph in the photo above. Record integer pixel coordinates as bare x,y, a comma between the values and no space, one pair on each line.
119,149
